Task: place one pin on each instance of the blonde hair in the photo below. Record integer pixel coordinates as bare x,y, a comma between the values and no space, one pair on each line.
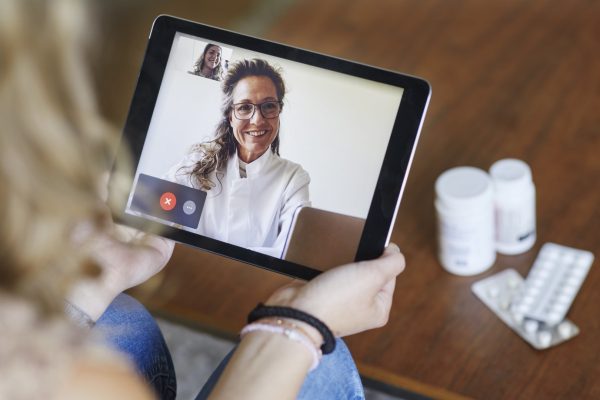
54,148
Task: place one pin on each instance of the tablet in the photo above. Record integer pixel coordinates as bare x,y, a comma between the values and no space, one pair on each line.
232,135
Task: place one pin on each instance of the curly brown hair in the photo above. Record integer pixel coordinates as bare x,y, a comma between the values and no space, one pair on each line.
217,152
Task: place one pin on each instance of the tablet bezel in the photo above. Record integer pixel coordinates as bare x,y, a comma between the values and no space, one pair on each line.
392,176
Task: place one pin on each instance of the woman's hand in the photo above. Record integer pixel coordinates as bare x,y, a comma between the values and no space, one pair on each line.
351,298
126,259
132,259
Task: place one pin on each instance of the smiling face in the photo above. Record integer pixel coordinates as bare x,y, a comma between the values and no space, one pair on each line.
212,58
255,135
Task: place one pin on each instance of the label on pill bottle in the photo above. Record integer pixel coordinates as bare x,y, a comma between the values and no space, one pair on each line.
465,214
514,204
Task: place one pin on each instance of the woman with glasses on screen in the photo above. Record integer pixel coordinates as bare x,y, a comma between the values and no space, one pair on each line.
252,191
209,63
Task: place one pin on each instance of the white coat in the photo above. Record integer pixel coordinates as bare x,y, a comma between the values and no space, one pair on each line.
253,212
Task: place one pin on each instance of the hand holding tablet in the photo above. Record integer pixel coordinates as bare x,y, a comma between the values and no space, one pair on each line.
283,129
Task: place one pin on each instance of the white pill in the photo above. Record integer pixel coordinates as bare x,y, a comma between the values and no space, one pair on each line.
584,260
518,317
520,308
493,291
513,283
531,326
565,329
551,264
554,317
536,283
573,280
528,299
568,257
544,338
538,264
550,253
569,290
564,299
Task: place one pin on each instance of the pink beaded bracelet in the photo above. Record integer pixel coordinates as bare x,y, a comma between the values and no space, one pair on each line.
290,333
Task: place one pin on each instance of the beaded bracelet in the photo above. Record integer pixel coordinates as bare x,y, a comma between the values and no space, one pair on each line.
263,311
290,333
289,323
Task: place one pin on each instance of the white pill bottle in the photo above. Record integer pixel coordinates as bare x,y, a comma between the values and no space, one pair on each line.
514,201
465,211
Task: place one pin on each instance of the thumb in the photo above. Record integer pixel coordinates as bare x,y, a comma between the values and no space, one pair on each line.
390,264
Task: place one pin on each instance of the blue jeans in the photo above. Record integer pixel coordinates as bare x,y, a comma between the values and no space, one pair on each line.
130,329
336,378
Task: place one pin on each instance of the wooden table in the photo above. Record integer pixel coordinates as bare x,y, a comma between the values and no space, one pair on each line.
510,78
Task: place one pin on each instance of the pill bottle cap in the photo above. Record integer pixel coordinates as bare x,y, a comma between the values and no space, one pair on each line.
511,176
464,188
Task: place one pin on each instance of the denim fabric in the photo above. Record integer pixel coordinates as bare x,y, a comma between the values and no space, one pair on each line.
336,378
130,329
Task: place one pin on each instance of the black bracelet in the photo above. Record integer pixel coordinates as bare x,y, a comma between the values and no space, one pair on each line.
263,311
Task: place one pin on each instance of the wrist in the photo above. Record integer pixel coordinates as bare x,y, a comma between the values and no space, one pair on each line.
292,333
92,297
78,316
309,331
325,336
264,366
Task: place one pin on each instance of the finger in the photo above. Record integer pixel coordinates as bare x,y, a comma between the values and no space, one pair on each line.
296,283
390,264
392,248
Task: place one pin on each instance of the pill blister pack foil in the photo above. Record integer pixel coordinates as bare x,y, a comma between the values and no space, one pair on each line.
498,292
552,283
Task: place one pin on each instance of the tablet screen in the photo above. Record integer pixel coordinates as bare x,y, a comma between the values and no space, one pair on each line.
239,140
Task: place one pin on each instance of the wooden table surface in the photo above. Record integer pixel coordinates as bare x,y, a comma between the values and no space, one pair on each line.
510,78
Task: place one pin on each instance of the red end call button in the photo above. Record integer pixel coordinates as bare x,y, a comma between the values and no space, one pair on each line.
168,201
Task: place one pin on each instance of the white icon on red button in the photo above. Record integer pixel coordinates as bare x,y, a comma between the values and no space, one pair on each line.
168,201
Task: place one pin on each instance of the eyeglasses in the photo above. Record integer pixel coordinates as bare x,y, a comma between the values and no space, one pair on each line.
268,109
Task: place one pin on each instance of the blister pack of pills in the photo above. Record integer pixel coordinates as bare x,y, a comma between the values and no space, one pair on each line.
535,307
552,283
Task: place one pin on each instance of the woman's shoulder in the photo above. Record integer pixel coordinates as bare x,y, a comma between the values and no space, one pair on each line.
291,168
